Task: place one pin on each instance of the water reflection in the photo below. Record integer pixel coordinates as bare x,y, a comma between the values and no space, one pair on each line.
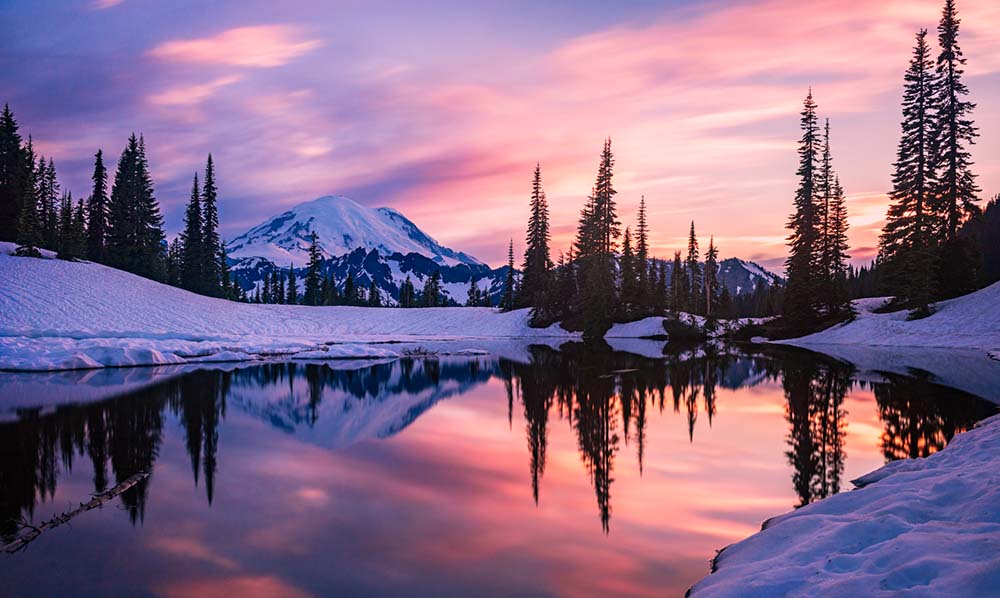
606,399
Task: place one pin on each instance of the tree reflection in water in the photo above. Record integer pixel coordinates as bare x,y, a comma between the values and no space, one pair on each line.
604,396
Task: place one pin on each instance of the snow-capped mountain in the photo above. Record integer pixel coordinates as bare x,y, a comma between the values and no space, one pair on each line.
341,226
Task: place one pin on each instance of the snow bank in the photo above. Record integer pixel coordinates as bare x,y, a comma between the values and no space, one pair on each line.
928,527
645,328
970,322
64,315
348,351
652,327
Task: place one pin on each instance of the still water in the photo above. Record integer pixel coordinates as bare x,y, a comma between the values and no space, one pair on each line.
581,471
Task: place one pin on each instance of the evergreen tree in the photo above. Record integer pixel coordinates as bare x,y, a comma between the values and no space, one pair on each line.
292,298
97,212
230,290
324,291
135,227
597,237
473,299
692,269
407,293
212,271
711,292
48,203
266,288
71,229
432,290
837,299
193,255
662,292
13,175
278,287
629,277
678,284
645,290
831,234
507,302
801,296
537,261
29,232
908,243
374,297
78,233
175,257
312,281
350,291
956,190
564,287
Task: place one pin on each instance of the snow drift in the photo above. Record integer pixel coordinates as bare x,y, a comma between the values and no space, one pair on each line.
927,527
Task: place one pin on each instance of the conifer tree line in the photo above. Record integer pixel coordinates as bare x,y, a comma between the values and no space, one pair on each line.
118,225
924,253
608,273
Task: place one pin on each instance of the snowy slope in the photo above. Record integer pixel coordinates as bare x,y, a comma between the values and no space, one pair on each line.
916,527
61,315
341,226
969,322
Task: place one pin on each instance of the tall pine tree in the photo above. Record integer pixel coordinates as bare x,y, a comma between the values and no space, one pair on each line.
509,283
692,269
312,283
135,226
212,270
192,242
597,236
711,292
13,175
956,190
292,291
29,231
908,253
629,294
537,261
802,292
97,212
645,289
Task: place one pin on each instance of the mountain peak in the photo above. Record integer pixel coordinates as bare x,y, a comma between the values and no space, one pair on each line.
341,226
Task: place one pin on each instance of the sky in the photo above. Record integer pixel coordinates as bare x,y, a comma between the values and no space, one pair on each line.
442,109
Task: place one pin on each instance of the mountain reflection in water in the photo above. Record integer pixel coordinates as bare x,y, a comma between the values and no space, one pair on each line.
605,400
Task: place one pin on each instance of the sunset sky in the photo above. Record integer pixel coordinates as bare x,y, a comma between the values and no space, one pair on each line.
441,109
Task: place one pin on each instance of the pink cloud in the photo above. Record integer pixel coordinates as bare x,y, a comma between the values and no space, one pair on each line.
185,95
259,46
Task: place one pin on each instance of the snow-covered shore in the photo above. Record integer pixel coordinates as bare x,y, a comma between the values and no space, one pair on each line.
968,322
74,315
957,345
921,527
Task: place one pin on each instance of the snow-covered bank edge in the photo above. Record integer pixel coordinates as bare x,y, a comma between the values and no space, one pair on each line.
931,525
52,354
970,322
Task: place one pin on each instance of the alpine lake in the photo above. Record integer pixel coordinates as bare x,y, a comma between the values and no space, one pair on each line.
531,471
